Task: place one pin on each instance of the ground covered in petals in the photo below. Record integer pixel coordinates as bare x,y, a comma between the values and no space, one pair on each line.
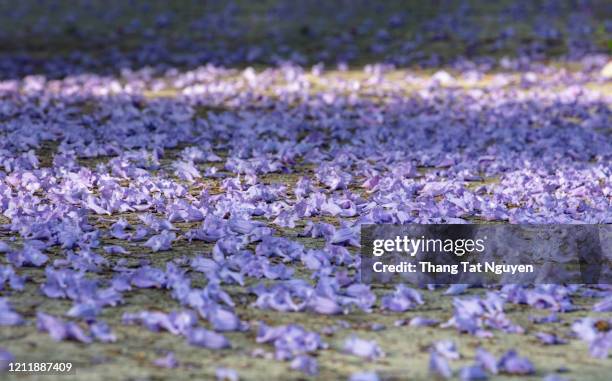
201,221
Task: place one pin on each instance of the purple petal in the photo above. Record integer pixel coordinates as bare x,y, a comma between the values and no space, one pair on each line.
4,247
447,349
472,373
486,360
161,242
59,330
7,315
102,332
604,305
148,277
324,306
438,366
420,321
290,340
362,348
201,337
6,357
224,320
549,338
168,361
402,299
512,363
585,329
601,345
115,249
456,289
226,374
305,364
364,376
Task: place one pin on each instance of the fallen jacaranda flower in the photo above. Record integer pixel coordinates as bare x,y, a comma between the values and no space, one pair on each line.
375,327
7,315
279,247
420,321
364,376
223,320
168,361
281,297
114,249
346,236
102,332
323,305
186,170
549,338
402,299
87,311
219,270
60,330
226,374
472,315
117,230
487,360
438,366
290,340
603,306
447,349
8,275
545,296
362,348
6,358
600,342
305,364
456,289
148,277
201,337
512,363
333,177
64,283
176,322
553,297
601,346
30,255
552,318
155,223
318,230
585,329
472,373
161,242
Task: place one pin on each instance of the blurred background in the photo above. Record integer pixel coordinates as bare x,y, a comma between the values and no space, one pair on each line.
57,37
